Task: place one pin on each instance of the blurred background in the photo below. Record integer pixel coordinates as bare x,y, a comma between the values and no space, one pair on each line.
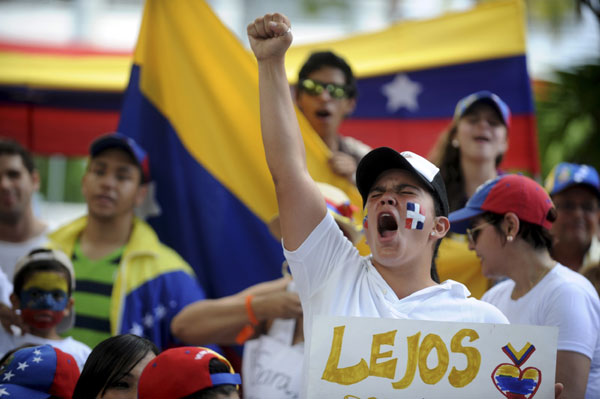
563,55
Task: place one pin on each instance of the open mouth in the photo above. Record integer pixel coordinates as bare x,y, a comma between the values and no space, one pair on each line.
386,224
482,139
323,113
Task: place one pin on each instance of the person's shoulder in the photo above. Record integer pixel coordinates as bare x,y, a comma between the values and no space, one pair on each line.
569,282
355,146
145,246
77,345
487,312
499,288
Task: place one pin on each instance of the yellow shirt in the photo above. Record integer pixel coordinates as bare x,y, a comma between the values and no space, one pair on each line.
456,262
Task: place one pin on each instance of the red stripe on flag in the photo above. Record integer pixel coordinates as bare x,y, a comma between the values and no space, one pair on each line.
71,49
47,131
419,136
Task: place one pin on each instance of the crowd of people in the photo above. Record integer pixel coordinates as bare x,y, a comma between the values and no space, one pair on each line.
116,310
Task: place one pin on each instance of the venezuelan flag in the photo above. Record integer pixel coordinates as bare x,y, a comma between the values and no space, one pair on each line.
411,75
192,103
56,100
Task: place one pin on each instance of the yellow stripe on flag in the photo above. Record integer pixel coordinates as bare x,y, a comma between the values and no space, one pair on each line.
491,30
199,76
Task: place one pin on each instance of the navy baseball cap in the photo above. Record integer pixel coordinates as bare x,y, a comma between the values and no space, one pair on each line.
507,193
565,175
126,143
487,97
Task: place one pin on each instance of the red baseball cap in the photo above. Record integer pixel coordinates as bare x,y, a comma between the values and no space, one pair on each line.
179,372
507,193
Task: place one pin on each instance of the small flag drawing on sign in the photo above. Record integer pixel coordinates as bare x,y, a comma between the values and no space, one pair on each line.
415,216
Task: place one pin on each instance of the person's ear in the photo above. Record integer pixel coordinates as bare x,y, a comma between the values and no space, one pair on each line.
69,308
35,178
441,226
511,225
504,144
142,191
350,106
14,300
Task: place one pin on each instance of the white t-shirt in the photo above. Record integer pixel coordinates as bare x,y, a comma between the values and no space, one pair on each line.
78,350
565,299
333,279
10,252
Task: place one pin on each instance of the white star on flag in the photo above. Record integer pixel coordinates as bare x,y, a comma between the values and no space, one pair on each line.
8,376
22,366
136,329
37,359
401,92
160,311
37,352
3,392
148,320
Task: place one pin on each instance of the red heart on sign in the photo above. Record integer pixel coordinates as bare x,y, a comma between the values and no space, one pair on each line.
512,382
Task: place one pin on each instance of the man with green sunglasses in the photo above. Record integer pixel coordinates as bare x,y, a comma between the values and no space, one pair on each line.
326,94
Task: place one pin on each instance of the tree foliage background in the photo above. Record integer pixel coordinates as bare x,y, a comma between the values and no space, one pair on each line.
568,107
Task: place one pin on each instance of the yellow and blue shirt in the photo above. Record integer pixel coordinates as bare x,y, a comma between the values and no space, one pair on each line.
148,284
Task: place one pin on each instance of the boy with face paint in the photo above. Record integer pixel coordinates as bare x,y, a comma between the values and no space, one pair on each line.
43,283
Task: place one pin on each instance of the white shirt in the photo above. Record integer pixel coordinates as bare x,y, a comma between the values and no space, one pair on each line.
333,279
565,299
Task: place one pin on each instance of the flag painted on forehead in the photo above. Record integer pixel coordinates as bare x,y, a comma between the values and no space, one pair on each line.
415,216
411,76
192,103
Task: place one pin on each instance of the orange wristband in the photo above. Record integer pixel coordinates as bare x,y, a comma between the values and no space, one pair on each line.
250,311
248,330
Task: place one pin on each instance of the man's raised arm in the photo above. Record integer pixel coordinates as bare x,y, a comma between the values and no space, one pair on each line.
301,205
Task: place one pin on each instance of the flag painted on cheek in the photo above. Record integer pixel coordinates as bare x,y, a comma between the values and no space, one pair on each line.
415,216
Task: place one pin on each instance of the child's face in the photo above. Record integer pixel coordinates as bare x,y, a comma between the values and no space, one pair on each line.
44,299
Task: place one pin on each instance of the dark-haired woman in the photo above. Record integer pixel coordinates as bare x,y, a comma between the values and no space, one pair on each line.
113,369
469,154
507,222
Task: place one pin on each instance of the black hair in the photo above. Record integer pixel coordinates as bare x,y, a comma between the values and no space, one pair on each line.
11,147
215,366
320,59
39,266
110,361
535,235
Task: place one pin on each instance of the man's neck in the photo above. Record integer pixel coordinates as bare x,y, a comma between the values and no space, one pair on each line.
49,333
405,279
101,237
477,173
27,227
569,255
332,140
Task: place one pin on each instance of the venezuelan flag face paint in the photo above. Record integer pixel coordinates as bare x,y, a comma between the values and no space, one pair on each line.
44,298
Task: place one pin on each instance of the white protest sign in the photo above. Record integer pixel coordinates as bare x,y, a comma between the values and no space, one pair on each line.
370,358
